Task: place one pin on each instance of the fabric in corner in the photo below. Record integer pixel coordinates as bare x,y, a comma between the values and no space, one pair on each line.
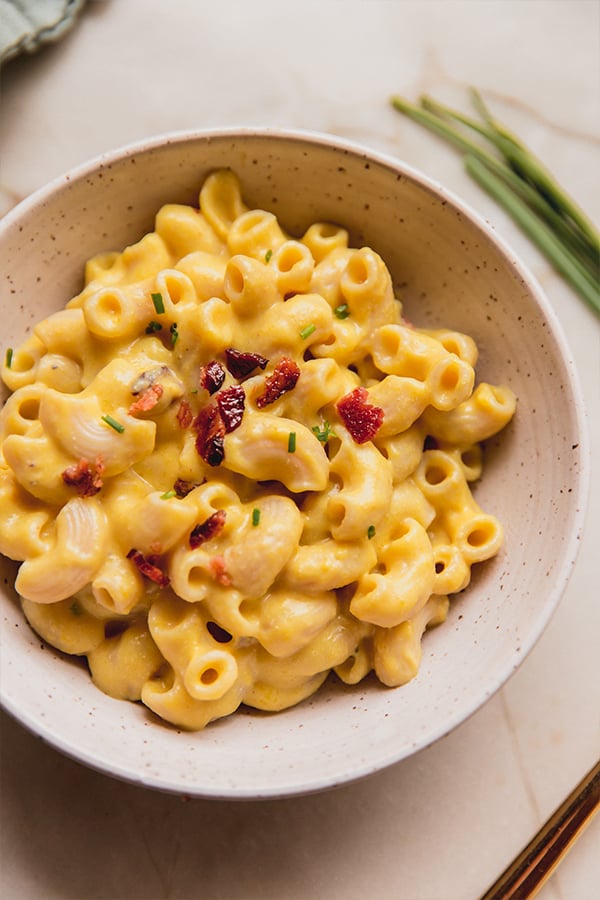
25,25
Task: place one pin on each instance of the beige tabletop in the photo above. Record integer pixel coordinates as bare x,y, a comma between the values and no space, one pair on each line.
444,823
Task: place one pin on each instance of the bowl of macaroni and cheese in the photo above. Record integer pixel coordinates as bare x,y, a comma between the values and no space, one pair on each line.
292,463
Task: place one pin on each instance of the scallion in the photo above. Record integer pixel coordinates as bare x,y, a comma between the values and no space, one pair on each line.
292,442
522,185
159,305
542,236
342,311
371,532
9,357
113,423
255,516
323,433
307,331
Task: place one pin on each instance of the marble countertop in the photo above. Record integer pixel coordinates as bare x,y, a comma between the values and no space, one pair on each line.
443,824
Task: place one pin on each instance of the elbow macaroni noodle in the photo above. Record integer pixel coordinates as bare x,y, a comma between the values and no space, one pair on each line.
230,466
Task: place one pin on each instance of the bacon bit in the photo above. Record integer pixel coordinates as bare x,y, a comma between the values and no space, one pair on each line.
219,634
289,295
86,479
360,418
240,364
216,565
231,406
212,376
209,529
210,430
148,567
185,416
283,378
216,420
183,488
116,627
147,399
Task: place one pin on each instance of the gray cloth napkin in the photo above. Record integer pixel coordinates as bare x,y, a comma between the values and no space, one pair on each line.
27,24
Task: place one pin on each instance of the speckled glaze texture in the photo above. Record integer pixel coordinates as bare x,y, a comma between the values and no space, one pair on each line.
451,270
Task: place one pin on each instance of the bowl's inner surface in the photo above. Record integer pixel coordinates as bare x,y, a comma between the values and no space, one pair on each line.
449,272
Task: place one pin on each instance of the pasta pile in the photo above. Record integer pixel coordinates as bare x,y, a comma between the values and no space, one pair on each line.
230,466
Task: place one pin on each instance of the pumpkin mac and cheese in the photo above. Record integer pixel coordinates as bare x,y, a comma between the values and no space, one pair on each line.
229,466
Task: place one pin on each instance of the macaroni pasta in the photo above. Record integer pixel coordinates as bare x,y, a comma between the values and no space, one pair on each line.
230,466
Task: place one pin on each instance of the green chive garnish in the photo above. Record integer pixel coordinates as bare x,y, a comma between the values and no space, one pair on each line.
255,516
542,236
342,311
268,255
371,531
307,331
153,326
174,334
75,608
159,305
323,434
521,184
113,423
9,357
167,495
292,442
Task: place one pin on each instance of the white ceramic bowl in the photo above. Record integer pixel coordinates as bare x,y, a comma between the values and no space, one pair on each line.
453,271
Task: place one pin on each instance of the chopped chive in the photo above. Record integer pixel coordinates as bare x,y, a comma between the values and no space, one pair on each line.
371,531
255,516
113,423
158,302
167,495
9,357
307,331
75,608
292,442
342,311
323,434
174,334
153,326
268,255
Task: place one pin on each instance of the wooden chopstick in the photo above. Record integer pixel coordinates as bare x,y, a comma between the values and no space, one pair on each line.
533,866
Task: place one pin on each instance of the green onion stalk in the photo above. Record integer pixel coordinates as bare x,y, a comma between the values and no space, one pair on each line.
513,176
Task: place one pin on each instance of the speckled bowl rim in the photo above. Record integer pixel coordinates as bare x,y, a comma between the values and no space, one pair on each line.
580,498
